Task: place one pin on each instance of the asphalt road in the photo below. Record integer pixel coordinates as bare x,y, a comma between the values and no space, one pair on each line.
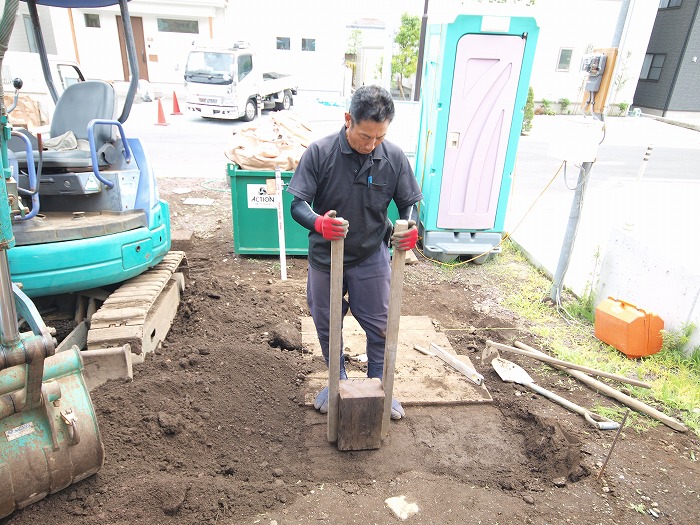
188,146
661,207
637,235
658,206
192,146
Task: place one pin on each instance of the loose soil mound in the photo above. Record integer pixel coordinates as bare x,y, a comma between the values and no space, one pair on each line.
213,427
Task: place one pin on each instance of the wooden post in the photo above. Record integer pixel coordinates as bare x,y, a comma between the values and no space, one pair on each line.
279,190
336,327
360,410
392,327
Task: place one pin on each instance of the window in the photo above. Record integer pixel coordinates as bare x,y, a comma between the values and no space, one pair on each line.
92,20
564,62
245,66
308,44
169,25
31,39
283,42
651,68
68,75
665,4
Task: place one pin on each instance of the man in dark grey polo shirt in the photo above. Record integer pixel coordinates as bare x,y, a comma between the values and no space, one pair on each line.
355,174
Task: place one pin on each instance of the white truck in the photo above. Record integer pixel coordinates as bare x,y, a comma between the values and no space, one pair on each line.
227,83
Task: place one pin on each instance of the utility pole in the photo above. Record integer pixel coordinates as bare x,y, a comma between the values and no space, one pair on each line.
571,230
386,58
421,52
583,176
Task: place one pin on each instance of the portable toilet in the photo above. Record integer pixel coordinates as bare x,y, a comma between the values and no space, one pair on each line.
474,87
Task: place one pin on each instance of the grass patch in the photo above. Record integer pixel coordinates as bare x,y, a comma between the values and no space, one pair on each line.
674,375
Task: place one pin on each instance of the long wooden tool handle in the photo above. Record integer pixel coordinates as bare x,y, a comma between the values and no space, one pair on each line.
616,394
554,361
392,327
334,339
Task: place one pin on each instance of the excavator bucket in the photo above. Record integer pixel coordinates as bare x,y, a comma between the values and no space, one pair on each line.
49,437
45,449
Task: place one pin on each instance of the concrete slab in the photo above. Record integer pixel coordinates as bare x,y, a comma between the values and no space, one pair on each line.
670,289
637,237
181,239
106,364
418,379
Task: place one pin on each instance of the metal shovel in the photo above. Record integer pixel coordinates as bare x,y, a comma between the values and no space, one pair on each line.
510,372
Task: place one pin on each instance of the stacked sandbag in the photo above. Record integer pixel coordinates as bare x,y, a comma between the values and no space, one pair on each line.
277,142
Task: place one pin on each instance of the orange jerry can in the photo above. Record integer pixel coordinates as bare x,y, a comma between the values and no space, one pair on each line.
631,330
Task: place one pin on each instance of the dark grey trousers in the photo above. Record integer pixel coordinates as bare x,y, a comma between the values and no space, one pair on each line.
367,289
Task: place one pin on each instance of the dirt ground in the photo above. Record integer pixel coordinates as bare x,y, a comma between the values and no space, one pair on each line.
213,427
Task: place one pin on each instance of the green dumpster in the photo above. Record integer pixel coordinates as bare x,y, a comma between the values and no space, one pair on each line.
255,215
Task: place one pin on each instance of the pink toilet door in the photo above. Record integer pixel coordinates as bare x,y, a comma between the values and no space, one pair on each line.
486,73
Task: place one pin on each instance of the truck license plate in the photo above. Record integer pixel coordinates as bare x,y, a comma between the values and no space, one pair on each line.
208,100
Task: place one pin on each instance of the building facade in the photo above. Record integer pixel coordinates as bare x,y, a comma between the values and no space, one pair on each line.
305,38
568,34
670,75
286,40
310,39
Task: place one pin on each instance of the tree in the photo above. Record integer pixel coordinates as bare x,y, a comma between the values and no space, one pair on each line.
529,112
354,42
621,76
404,64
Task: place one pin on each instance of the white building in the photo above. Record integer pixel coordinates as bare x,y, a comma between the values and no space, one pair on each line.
309,37
570,30
372,40
286,40
305,38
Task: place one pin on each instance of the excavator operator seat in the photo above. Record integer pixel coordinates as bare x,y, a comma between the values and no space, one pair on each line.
79,104
76,107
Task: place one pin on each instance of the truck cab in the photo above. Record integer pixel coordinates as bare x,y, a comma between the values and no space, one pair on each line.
36,105
227,83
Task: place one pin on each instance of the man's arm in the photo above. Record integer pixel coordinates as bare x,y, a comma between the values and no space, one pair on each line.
409,213
327,225
302,213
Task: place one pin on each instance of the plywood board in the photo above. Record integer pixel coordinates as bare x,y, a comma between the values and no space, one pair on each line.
418,379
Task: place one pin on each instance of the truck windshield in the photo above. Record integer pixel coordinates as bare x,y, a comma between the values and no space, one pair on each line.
210,67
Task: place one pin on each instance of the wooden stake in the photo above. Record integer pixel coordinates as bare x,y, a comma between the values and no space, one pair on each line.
622,424
392,327
336,327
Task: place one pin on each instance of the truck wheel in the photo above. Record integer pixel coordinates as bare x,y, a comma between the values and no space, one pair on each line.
286,101
251,109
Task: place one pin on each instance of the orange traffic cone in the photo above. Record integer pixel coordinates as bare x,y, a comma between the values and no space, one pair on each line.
176,106
161,115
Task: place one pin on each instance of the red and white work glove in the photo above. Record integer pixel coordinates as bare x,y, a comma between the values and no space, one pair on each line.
332,228
406,240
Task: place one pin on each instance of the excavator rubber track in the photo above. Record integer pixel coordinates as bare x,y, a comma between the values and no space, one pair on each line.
140,312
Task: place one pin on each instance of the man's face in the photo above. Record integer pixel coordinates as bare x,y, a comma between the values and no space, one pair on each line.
365,135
